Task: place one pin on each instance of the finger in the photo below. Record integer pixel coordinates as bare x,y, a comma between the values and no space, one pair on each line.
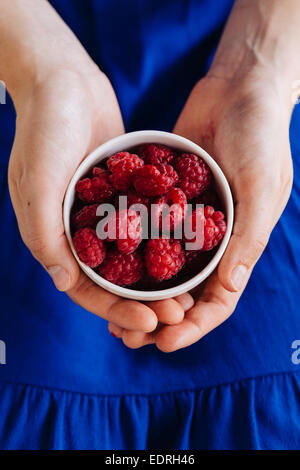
252,228
115,330
185,300
127,314
133,339
169,312
42,230
39,171
137,339
50,142
214,306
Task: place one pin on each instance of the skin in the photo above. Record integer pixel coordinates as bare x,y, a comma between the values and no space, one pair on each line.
239,145
239,112
52,138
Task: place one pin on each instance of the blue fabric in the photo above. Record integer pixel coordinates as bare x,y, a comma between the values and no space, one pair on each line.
67,383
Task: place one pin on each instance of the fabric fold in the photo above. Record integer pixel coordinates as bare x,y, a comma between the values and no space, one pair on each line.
259,413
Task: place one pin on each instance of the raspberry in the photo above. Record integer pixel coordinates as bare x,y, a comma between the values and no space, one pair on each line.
123,166
154,154
176,200
213,228
156,180
164,258
97,189
122,269
194,174
159,175
89,248
133,197
125,227
97,171
86,217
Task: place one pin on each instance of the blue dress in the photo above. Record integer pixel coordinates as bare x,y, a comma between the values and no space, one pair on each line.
67,384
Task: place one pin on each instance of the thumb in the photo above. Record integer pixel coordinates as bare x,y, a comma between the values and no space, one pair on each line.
38,208
38,175
249,238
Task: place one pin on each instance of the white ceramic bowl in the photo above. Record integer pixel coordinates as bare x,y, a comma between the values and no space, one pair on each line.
125,142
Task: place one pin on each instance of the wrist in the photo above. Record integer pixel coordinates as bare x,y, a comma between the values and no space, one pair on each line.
261,39
33,76
35,47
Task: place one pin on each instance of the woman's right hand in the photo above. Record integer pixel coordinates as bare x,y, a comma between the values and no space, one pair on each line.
58,123
65,108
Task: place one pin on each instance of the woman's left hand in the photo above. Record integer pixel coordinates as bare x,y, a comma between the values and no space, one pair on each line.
244,124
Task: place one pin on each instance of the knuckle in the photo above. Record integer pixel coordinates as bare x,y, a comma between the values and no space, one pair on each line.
256,248
37,245
82,287
258,245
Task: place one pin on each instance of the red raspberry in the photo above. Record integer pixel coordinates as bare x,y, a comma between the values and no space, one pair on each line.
194,174
97,171
97,189
123,166
133,197
156,153
86,217
156,180
122,269
89,248
176,200
164,258
125,227
211,228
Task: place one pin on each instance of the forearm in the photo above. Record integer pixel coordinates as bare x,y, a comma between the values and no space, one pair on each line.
34,40
263,34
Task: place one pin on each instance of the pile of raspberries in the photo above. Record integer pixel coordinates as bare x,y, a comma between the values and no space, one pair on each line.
154,174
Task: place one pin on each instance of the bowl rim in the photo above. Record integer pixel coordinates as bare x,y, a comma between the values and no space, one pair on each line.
139,137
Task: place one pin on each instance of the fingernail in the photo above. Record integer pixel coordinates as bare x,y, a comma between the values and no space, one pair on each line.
60,277
238,276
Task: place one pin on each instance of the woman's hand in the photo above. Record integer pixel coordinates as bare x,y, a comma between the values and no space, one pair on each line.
240,113
65,108
245,128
